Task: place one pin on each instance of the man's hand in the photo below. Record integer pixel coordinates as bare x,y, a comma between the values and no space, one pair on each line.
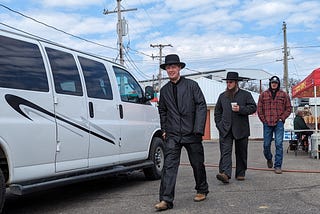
235,108
164,135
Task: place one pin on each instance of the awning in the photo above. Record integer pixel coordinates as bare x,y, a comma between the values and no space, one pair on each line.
308,86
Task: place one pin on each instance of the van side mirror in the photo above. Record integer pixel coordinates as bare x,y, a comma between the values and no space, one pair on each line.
149,93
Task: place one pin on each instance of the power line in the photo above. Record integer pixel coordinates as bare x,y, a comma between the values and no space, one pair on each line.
308,46
121,26
129,58
44,39
139,52
234,58
135,66
238,56
19,30
57,29
160,46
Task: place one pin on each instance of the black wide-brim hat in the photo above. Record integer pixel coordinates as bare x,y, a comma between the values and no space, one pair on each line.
233,76
172,59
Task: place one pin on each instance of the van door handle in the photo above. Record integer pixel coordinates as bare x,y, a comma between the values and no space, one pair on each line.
121,111
91,110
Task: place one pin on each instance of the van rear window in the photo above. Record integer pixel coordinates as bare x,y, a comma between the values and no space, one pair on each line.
21,66
65,72
96,78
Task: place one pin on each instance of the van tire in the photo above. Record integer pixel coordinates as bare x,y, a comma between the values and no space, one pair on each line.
2,190
156,155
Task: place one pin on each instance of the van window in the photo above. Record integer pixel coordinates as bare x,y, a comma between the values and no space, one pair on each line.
129,88
65,72
96,78
21,66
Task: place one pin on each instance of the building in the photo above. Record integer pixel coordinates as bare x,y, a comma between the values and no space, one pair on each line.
212,85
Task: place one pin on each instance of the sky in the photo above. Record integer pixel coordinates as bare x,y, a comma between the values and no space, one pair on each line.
207,35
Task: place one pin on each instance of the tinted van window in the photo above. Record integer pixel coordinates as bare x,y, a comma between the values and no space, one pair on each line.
96,78
129,88
21,66
65,72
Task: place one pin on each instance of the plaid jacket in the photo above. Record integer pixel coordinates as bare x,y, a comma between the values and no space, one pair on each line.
270,110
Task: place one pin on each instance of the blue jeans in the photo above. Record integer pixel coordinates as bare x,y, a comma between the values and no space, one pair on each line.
278,131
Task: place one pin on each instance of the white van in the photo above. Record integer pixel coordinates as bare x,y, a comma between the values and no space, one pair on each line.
68,116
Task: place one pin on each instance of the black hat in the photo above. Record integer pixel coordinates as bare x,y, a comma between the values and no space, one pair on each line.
233,76
172,59
275,79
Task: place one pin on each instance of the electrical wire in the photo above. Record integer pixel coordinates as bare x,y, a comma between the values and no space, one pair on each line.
57,29
223,61
308,46
135,67
139,52
44,39
19,30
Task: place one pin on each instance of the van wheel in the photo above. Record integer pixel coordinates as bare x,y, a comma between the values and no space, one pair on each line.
2,190
156,154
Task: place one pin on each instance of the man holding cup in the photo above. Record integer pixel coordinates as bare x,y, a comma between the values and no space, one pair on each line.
231,113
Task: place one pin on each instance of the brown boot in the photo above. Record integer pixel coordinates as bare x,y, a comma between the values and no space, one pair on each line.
223,177
278,171
199,197
162,206
240,178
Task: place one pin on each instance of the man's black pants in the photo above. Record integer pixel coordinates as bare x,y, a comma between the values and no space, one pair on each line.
241,151
172,152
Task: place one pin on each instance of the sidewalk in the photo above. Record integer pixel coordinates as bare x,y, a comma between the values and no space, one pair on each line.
296,190
301,161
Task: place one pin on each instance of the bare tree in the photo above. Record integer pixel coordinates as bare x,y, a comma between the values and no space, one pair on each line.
251,86
255,87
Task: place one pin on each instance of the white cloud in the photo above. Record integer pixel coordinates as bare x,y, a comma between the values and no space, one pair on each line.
70,3
228,3
134,3
180,5
210,34
307,14
265,13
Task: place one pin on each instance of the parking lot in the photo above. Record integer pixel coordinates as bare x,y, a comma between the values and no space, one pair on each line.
297,190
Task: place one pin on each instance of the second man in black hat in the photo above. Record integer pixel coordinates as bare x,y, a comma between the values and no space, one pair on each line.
231,118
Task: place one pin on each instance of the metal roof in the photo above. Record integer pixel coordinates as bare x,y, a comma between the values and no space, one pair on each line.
218,75
211,90
249,74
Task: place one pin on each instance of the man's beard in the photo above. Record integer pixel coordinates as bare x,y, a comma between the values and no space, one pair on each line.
231,92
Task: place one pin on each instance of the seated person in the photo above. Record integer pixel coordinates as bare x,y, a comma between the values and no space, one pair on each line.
307,110
300,124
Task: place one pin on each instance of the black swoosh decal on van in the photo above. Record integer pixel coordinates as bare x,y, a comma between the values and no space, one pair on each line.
15,102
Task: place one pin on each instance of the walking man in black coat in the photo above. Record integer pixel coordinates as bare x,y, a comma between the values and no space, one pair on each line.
231,118
182,109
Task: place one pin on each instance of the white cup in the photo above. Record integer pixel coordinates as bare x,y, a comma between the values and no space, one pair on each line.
233,104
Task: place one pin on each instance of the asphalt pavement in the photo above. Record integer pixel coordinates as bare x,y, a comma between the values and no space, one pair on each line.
297,190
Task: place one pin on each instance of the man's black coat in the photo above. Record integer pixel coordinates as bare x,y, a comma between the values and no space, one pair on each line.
187,120
238,122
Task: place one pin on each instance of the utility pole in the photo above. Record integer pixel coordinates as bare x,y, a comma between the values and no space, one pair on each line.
160,46
122,27
285,57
